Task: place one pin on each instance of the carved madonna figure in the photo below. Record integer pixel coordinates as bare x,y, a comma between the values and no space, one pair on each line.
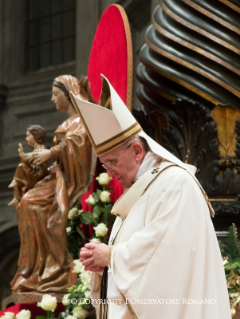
44,259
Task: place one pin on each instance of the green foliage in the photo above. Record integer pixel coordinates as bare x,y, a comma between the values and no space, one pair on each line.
231,245
80,232
96,215
76,238
78,206
233,264
63,314
230,251
231,257
231,291
108,219
86,218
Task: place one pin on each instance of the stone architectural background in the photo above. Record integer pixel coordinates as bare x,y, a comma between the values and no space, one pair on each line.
25,96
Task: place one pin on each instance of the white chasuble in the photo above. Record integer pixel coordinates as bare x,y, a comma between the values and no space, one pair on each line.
166,260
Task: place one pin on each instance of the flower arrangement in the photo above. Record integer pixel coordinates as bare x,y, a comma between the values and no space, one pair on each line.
101,217
231,261
78,301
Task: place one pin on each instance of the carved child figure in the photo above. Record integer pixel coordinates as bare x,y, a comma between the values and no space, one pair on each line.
27,174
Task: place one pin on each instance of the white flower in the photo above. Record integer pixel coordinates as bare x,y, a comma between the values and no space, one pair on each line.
105,197
80,313
87,294
78,266
65,300
70,317
103,179
225,262
48,303
85,287
8,315
80,212
101,230
95,240
68,229
73,213
24,314
86,277
91,200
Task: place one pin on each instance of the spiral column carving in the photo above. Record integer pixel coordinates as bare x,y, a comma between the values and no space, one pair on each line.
190,87
192,51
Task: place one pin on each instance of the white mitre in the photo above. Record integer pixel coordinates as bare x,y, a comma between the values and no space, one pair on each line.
107,128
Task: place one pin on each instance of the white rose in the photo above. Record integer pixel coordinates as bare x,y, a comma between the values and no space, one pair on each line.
65,300
8,315
73,213
24,314
70,317
78,266
80,313
95,240
85,287
86,277
87,294
105,197
101,230
91,200
48,303
68,229
103,179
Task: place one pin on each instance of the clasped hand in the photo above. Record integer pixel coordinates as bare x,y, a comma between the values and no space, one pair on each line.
94,256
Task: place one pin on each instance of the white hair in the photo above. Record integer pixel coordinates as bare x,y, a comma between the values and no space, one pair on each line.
139,140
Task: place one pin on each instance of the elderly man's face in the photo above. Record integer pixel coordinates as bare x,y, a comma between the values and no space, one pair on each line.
124,162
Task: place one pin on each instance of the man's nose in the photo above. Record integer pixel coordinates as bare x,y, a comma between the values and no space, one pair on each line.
110,172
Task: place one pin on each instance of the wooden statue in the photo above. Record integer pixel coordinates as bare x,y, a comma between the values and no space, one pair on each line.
44,259
27,174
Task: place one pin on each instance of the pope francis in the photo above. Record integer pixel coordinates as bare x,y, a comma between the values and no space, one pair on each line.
163,259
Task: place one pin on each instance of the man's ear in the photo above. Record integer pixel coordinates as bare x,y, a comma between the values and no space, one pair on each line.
138,150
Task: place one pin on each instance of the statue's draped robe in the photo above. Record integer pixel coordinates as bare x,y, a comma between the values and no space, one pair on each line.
44,259
167,249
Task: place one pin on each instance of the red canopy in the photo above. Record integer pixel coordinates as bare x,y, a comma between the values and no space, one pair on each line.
111,54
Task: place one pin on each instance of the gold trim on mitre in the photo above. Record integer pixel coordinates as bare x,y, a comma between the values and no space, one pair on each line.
118,139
